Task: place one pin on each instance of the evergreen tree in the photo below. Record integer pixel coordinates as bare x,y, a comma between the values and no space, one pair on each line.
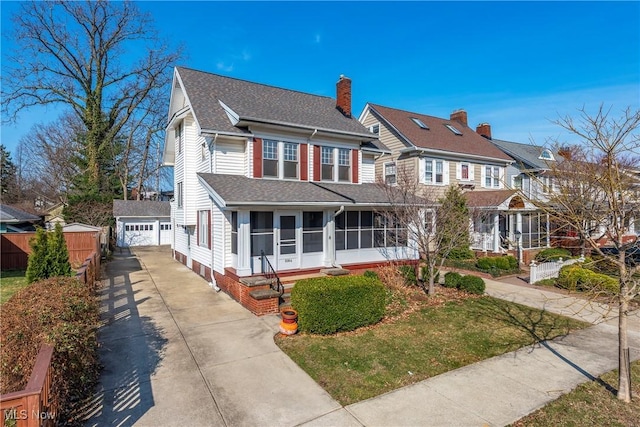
8,180
457,221
38,265
58,254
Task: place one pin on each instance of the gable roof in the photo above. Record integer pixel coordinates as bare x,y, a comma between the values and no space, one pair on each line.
260,103
496,199
527,154
236,190
437,137
141,208
11,215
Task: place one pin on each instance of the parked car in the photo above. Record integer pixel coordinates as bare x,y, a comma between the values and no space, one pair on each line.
632,253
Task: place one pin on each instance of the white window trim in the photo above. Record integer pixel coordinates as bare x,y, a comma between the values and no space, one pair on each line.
203,228
336,164
423,171
179,195
459,171
395,173
373,126
500,178
280,159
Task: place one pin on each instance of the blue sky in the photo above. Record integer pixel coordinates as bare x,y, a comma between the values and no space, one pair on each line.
513,64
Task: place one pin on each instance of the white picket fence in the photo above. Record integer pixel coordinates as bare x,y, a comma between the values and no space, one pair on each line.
549,270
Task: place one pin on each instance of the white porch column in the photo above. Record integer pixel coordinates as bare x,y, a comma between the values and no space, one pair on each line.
496,232
328,244
519,238
244,244
548,232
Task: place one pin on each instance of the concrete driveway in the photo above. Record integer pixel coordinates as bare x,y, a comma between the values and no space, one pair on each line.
177,353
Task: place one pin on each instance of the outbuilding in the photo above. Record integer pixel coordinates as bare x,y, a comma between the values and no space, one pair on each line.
142,223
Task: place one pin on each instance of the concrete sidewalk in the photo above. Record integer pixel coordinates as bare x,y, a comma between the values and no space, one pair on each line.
177,353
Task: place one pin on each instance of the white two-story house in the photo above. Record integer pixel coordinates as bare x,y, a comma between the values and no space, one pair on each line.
442,152
269,174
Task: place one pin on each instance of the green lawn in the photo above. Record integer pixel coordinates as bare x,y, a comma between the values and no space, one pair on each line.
591,404
11,281
426,342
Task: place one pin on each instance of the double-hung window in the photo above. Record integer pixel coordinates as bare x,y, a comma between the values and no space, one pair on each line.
290,169
492,176
270,158
344,165
435,172
327,164
464,171
390,173
203,228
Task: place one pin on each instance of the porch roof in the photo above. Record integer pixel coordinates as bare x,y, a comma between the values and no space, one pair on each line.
498,199
237,190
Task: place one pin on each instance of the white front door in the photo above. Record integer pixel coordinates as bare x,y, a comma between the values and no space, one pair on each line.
287,241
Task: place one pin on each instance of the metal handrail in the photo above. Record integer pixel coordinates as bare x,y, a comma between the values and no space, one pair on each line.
270,273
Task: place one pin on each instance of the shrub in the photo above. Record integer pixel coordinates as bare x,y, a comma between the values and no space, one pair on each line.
61,312
552,254
501,263
472,284
409,274
452,279
58,256
513,262
332,304
461,253
485,263
576,278
370,274
38,265
424,270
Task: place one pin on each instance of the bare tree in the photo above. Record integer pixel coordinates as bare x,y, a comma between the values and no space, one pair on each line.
597,193
436,221
73,53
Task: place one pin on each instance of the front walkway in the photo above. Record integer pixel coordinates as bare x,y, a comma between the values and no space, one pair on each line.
177,353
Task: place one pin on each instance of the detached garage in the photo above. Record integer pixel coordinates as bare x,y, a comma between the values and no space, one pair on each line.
142,223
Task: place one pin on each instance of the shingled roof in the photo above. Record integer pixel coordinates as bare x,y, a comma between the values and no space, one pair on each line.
528,154
255,102
11,215
437,136
141,208
236,190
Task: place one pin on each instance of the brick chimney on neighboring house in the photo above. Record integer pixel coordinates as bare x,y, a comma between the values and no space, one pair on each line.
343,95
484,129
459,116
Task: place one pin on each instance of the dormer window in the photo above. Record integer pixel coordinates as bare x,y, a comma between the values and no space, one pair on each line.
546,155
420,123
453,129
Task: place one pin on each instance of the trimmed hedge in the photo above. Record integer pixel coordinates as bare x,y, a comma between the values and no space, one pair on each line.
552,254
472,284
505,263
452,279
327,305
577,278
64,313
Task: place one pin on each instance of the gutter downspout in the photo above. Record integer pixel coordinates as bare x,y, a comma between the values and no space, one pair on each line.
333,258
212,146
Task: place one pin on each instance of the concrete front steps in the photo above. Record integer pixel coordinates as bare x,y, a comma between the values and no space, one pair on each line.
289,281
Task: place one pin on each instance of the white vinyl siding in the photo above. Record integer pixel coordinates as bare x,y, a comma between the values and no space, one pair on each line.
230,157
368,169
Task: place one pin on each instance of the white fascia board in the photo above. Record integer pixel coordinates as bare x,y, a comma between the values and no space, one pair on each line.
212,193
246,121
234,118
455,155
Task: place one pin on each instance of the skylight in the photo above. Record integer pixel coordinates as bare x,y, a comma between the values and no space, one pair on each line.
453,129
419,123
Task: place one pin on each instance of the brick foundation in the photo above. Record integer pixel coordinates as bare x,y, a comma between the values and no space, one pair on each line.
241,293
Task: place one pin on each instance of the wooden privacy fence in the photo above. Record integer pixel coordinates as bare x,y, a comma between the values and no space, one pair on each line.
15,249
33,406
549,270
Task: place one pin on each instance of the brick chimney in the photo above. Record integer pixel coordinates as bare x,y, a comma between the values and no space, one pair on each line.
343,95
459,116
484,129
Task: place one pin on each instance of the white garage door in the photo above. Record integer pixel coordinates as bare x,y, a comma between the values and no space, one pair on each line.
165,233
139,234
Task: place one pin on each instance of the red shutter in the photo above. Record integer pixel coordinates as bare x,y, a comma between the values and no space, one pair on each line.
354,166
257,158
304,162
209,230
316,163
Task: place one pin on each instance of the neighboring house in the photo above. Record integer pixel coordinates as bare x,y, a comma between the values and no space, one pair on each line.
54,215
264,170
142,223
443,152
13,220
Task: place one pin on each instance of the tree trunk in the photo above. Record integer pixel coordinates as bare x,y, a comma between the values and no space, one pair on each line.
624,364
